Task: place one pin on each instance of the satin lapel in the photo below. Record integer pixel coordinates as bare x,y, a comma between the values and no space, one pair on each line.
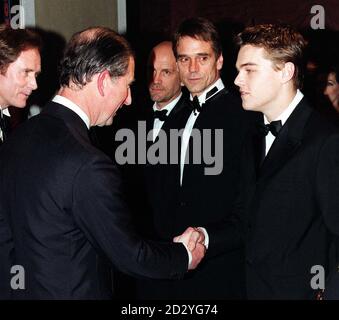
208,104
288,140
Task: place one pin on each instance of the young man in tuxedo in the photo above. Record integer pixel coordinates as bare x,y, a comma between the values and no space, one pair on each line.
204,198
63,197
19,67
290,171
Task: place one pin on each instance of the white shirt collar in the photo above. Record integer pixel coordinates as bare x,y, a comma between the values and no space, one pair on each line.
169,106
288,111
202,98
71,105
5,112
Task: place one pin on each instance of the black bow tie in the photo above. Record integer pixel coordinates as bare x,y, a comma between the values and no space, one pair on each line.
195,105
274,127
161,115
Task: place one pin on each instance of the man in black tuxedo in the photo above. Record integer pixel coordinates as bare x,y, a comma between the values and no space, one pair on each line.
205,189
19,66
63,197
291,171
168,113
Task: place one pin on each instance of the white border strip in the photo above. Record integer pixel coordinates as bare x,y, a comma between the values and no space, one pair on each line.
29,12
122,17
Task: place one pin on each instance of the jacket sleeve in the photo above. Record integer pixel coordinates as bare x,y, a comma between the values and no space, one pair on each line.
100,211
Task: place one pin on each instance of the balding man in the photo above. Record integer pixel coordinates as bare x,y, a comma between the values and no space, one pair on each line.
63,197
169,112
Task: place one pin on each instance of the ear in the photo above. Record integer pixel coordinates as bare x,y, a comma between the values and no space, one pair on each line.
287,72
102,79
220,62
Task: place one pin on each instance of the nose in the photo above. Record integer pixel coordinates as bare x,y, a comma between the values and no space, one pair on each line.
238,80
33,83
156,77
326,91
128,100
193,65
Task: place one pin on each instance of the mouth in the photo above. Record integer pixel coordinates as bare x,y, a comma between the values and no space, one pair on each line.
244,94
156,89
25,94
194,79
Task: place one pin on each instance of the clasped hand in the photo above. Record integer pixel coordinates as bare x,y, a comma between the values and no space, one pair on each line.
194,239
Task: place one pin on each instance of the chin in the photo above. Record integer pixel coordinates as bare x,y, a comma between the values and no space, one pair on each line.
246,106
19,104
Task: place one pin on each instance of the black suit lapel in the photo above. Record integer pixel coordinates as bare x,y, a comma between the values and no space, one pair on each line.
288,140
74,123
208,104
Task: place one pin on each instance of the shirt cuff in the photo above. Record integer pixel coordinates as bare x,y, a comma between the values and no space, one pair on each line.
189,255
207,238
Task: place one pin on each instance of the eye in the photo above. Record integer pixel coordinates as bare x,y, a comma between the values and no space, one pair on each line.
183,59
203,59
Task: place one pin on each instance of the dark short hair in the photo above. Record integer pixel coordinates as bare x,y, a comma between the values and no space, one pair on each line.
13,42
200,29
92,51
282,44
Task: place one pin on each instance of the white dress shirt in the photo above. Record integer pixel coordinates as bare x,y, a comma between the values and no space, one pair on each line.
71,105
187,133
283,118
2,113
157,124
190,123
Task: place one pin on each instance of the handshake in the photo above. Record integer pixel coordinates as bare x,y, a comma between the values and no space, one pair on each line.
194,240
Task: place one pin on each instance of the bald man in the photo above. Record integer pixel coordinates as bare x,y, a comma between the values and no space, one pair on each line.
164,85
168,112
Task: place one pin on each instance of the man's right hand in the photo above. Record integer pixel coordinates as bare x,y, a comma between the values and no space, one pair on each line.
197,255
194,239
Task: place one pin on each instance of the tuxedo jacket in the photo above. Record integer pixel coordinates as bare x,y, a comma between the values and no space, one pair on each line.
205,200
161,179
290,207
63,201
5,234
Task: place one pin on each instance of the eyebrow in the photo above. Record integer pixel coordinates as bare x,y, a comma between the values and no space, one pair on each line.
247,64
201,54
31,70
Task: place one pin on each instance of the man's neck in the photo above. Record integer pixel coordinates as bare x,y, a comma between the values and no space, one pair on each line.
77,98
279,105
161,105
